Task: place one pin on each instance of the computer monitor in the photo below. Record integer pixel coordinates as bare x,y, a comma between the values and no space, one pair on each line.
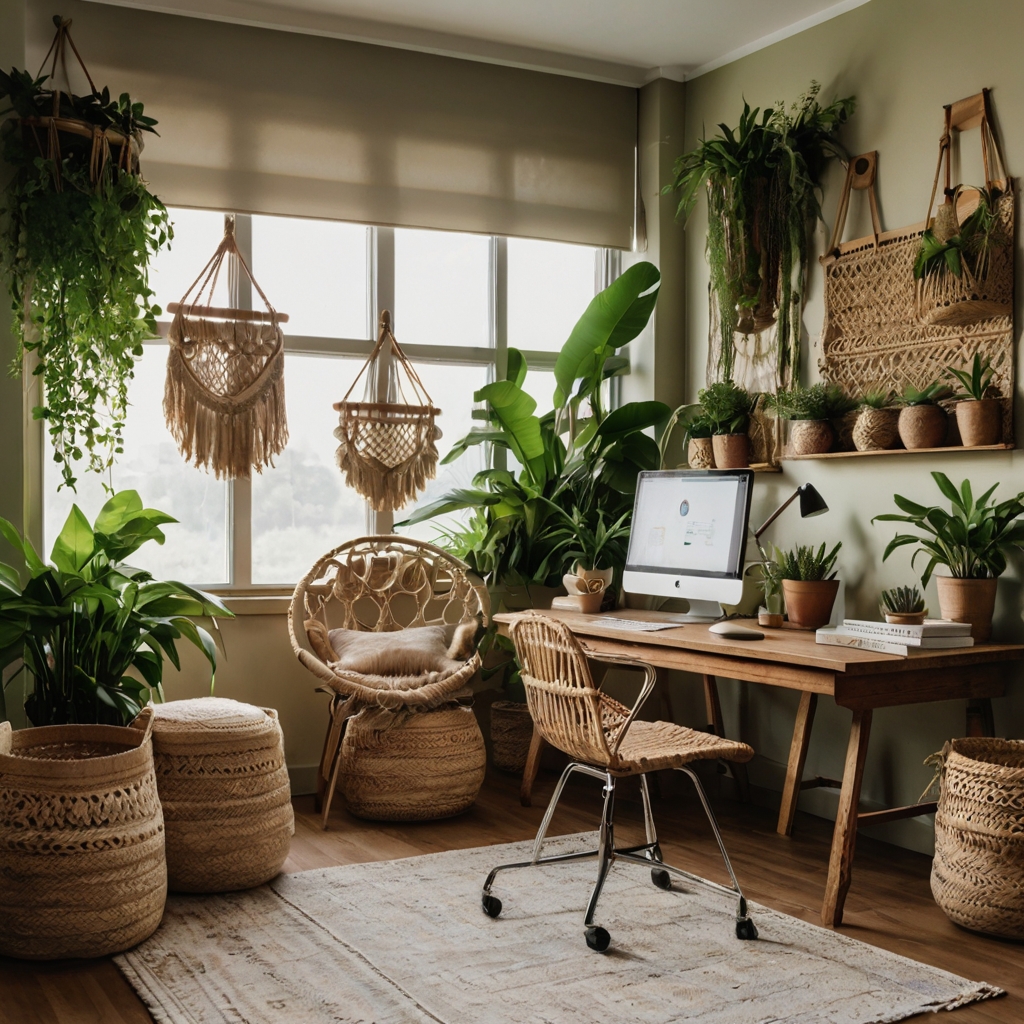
689,537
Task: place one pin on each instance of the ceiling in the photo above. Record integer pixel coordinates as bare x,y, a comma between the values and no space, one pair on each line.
623,41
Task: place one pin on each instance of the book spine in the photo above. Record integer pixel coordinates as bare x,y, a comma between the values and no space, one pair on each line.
853,631
863,643
883,629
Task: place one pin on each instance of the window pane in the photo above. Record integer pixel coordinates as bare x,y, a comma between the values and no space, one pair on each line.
315,271
550,284
302,507
197,233
196,550
442,288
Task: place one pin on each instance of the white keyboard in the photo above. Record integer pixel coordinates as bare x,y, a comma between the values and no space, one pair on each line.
635,625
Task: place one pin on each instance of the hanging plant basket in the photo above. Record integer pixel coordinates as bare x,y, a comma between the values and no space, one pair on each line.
387,447
224,397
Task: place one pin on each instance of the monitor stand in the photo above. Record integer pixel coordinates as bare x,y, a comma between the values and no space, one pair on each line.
700,611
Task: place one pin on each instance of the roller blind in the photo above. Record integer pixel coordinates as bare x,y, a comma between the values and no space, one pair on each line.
262,121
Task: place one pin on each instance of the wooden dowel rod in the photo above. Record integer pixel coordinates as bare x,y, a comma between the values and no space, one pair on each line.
225,313
895,814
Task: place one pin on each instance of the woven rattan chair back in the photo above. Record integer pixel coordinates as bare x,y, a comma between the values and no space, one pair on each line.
566,707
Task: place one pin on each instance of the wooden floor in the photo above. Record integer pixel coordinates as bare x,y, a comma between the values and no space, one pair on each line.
890,904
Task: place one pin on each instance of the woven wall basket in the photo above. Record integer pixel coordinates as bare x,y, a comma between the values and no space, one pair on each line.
412,766
978,870
224,787
82,868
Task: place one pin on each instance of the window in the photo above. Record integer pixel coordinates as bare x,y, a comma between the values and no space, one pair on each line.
457,300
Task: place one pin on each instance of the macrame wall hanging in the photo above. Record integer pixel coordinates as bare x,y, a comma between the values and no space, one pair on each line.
386,442
224,397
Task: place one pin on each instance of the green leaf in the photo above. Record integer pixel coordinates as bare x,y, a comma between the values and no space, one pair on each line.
516,371
76,543
634,416
514,409
22,545
121,508
947,488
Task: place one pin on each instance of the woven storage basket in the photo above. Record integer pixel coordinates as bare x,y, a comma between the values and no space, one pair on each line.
511,735
224,787
978,870
82,868
413,766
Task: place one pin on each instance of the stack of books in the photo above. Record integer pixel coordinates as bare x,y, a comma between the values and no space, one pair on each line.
891,638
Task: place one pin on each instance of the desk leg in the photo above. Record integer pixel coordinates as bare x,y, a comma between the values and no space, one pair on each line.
797,757
537,746
844,838
715,724
979,717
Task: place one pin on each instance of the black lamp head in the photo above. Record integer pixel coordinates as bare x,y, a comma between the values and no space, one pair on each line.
811,502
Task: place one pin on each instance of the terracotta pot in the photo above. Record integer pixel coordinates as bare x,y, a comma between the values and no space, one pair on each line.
511,732
981,422
700,453
970,601
923,426
876,429
905,618
810,437
809,602
732,451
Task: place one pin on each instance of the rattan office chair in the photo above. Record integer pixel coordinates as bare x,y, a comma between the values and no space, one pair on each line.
605,740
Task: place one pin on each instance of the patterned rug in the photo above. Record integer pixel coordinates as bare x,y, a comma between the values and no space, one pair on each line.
405,942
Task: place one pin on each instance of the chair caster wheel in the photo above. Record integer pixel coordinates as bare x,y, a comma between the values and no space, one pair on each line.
491,904
661,878
598,939
745,929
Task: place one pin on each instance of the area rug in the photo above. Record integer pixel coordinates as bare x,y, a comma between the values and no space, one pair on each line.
405,942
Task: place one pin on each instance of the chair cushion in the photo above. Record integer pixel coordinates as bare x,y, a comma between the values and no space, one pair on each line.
652,746
417,651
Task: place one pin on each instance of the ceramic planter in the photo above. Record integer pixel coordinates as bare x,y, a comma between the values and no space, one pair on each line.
876,429
732,451
980,422
810,437
700,453
971,601
809,602
923,426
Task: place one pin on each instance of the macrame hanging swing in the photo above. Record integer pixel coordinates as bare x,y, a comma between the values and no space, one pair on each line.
224,396
386,442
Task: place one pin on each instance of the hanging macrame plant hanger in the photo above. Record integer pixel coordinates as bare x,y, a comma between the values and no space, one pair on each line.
386,442
224,396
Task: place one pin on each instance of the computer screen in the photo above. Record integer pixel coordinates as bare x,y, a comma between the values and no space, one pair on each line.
691,523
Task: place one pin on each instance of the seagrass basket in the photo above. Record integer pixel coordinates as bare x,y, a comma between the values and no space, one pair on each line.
511,735
224,787
978,870
82,868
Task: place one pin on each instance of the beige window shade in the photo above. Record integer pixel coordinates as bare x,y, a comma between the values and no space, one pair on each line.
261,121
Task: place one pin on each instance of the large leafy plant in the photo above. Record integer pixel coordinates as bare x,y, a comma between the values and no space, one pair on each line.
762,180
77,249
971,540
578,462
91,631
727,407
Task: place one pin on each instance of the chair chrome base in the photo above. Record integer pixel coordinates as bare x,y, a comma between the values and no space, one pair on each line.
647,854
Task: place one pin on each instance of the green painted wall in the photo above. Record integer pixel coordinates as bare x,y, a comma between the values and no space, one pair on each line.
903,59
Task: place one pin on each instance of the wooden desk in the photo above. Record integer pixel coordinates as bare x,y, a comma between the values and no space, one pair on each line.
858,680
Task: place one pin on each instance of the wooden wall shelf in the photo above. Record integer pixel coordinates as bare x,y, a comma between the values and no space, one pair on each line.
903,451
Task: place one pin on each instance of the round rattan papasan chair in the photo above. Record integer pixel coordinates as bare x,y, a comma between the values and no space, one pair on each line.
401,746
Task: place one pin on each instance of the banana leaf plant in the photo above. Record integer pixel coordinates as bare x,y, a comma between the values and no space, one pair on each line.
90,631
578,462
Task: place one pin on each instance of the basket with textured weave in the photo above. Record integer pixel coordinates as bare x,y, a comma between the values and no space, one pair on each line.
978,870
224,787
82,868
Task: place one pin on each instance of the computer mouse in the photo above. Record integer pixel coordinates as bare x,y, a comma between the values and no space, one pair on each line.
734,631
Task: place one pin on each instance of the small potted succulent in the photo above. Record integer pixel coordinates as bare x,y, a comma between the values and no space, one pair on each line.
903,606
923,423
809,584
971,541
876,428
979,413
727,407
810,412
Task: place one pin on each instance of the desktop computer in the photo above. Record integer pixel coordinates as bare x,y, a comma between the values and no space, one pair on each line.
689,538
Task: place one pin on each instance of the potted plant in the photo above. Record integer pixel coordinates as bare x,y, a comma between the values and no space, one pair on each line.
876,428
82,622
903,606
727,407
810,412
809,584
979,414
81,228
923,423
771,586
700,452
971,541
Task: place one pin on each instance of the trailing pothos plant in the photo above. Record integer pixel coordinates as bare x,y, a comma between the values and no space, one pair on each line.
76,246
90,631
573,494
762,180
